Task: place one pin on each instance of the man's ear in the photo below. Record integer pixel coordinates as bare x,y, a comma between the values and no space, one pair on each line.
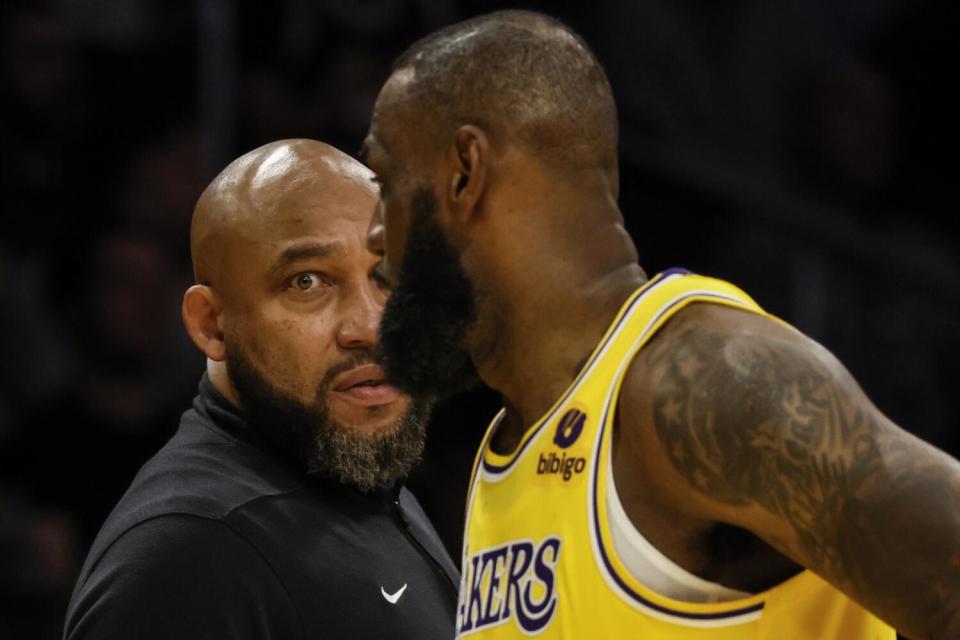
201,311
469,157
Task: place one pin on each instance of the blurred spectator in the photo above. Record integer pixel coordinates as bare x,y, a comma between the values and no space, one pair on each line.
844,136
134,372
41,74
40,554
163,178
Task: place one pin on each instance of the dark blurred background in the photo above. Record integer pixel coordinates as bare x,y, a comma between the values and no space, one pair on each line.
804,150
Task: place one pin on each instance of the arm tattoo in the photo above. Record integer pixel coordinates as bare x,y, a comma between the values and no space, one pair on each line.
753,420
795,444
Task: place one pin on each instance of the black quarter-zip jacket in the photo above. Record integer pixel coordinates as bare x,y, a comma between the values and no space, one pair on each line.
220,537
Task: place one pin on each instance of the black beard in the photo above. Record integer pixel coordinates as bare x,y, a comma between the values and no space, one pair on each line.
425,322
306,434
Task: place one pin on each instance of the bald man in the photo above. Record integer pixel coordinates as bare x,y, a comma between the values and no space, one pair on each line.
671,463
278,510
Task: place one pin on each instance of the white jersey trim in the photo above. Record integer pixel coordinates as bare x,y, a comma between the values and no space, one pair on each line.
649,566
638,602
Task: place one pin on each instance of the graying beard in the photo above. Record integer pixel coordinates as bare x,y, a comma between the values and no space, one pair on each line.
368,461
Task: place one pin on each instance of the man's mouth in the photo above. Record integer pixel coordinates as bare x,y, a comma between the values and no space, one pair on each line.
366,385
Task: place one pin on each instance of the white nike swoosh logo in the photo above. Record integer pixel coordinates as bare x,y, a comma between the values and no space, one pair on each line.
393,597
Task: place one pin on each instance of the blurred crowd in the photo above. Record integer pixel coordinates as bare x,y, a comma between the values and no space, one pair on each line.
802,150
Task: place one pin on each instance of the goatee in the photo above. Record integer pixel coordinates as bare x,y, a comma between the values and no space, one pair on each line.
306,434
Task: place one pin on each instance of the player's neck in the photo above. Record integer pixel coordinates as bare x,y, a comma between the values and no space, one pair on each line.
545,336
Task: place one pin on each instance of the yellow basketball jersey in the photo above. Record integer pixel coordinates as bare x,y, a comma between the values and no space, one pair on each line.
538,558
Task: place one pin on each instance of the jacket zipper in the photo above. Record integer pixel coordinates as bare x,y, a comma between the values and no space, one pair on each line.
401,519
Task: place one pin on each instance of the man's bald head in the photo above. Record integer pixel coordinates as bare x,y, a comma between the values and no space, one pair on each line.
518,73
250,195
287,310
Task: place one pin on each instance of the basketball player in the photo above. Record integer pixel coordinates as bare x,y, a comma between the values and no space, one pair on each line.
671,462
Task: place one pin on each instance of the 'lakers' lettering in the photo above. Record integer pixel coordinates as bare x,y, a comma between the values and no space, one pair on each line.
515,580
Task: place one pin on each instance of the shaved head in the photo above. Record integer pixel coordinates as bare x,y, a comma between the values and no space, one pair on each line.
520,74
286,309
254,190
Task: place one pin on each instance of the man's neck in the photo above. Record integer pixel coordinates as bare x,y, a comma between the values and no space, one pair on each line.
544,339
220,379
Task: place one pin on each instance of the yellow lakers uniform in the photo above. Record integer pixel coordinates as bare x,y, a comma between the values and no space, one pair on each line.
538,556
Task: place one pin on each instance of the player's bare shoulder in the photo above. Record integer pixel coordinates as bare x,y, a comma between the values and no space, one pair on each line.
749,422
732,399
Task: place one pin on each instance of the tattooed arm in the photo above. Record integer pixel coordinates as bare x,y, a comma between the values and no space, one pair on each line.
770,433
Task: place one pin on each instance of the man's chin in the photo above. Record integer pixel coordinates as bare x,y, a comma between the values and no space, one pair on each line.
366,420
364,444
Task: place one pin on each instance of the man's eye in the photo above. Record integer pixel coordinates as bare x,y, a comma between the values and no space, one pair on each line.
307,281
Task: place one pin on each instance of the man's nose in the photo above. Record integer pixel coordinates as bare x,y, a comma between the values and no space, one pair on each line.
361,318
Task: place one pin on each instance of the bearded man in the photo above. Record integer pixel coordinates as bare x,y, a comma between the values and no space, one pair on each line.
672,462
277,510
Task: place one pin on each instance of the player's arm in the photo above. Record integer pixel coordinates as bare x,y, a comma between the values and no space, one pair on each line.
756,425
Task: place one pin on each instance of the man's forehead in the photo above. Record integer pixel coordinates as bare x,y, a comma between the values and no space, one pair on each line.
377,151
330,230
283,255
394,142
318,204
281,192
393,101
370,147
401,80
310,204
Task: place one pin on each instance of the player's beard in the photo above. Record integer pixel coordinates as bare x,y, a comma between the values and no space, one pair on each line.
423,331
319,444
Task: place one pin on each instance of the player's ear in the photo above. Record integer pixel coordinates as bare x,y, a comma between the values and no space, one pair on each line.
469,157
201,311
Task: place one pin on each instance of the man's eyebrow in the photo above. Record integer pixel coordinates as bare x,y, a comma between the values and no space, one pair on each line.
297,252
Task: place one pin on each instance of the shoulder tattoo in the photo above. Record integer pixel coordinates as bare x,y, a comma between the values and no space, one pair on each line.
752,420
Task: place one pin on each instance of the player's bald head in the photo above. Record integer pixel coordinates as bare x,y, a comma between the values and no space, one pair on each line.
263,190
519,73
